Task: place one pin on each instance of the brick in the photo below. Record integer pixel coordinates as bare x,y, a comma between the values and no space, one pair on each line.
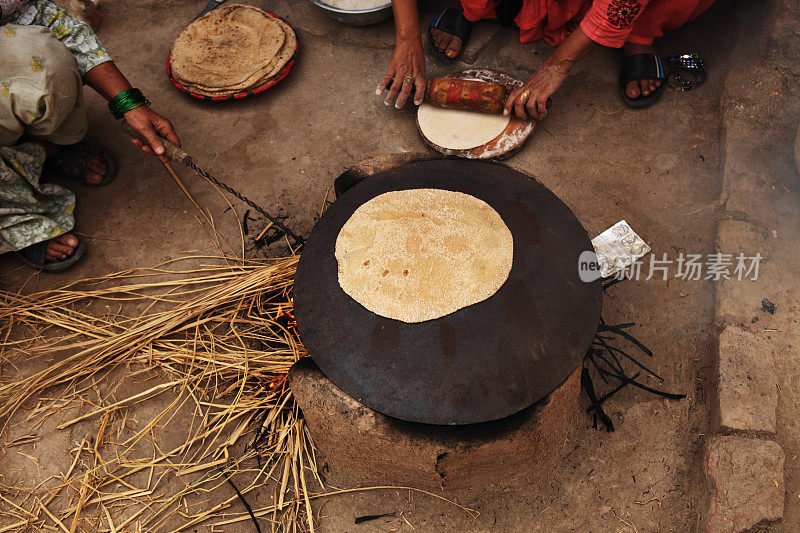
746,482
747,390
739,301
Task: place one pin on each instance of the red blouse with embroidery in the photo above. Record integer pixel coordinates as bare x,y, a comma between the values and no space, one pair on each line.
607,22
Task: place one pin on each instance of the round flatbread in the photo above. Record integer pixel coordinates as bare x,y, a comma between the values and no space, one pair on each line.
421,254
272,70
226,47
459,130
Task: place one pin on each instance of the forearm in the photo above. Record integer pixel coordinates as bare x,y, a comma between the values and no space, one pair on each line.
573,49
406,19
107,80
532,98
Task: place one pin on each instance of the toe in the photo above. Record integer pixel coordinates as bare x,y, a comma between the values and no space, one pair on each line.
56,248
61,247
453,47
95,171
93,177
98,163
68,240
435,36
644,87
439,39
632,90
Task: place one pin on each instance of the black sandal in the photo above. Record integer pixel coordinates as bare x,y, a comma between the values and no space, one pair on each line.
70,162
642,67
33,256
450,20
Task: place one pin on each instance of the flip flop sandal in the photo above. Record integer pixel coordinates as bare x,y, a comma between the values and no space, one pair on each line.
642,67
70,162
450,20
33,256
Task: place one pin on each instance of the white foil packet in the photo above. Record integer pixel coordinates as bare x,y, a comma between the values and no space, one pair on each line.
617,248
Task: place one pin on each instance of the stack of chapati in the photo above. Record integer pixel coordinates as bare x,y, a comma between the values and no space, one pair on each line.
232,50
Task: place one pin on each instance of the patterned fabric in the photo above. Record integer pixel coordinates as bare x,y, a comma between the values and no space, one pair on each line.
622,13
30,211
40,87
9,6
76,35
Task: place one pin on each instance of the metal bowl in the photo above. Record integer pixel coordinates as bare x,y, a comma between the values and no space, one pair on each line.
357,17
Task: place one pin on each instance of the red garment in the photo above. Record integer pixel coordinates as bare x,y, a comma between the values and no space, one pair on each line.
607,22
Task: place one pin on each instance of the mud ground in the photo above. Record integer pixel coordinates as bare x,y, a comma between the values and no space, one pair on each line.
658,168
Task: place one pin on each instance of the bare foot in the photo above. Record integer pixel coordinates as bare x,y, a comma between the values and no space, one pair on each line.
95,167
61,247
447,43
644,87
95,170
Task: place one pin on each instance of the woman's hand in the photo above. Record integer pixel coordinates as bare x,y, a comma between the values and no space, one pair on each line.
407,69
531,100
151,126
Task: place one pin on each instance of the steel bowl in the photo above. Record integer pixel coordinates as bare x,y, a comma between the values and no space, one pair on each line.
357,17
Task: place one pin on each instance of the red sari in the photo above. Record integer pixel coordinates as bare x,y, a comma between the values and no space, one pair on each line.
607,22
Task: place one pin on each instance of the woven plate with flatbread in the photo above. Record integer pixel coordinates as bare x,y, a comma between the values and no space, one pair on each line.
231,50
257,79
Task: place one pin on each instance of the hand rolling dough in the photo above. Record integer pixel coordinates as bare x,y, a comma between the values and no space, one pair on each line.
420,254
459,130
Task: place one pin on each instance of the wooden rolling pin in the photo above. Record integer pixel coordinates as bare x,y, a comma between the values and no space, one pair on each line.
467,95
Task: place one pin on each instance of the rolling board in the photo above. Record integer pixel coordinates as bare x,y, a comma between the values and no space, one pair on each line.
505,144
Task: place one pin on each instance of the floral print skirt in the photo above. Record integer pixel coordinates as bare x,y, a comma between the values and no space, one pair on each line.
41,96
30,211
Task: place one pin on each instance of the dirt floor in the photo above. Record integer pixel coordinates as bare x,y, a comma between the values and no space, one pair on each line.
659,169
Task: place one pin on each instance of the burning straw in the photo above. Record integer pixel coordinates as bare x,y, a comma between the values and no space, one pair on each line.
222,336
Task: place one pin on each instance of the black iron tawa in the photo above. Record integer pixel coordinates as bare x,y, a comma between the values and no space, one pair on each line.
483,362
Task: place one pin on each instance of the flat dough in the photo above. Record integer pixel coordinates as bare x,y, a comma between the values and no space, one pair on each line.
227,46
421,254
459,130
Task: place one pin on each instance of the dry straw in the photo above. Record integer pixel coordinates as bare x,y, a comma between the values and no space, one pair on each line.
216,330
222,338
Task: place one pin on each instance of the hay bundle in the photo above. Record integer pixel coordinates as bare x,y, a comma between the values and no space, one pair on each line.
222,337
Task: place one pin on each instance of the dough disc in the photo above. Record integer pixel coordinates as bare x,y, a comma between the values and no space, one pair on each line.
459,130
421,254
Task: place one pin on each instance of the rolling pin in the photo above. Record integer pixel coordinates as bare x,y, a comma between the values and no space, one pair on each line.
467,95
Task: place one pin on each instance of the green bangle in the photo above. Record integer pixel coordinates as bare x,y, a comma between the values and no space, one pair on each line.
125,101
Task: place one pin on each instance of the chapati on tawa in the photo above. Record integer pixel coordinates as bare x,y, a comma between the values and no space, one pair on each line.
420,254
227,46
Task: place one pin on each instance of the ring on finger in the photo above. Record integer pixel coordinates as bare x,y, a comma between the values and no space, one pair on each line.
408,80
524,96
